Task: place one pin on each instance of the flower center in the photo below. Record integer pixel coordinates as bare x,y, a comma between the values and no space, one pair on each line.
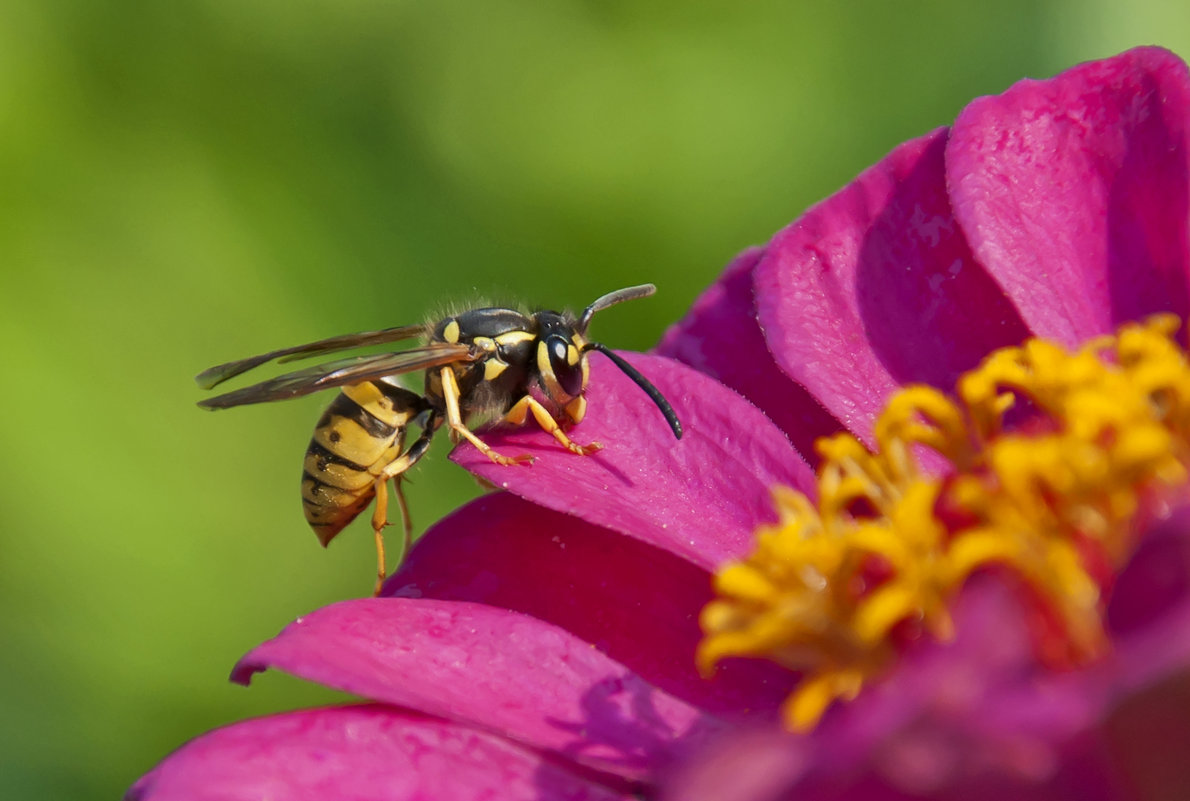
1051,462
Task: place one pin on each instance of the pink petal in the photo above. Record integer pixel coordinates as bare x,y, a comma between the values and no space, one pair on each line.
1149,609
973,719
755,765
722,338
635,602
1074,193
1156,580
360,753
875,287
700,497
983,702
957,721
979,718
499,670
1148,733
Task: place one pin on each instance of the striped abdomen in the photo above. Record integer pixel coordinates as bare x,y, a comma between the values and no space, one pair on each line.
357,437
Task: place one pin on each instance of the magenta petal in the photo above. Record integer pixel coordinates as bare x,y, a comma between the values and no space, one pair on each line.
700,497
1073,192
722,338
960,720
502,671
876,287
756,765
360,753
975,719
979,719
503,551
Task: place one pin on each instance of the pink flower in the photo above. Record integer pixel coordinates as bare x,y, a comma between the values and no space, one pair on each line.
542,642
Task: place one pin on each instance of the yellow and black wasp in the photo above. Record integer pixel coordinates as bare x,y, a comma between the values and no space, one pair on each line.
478,363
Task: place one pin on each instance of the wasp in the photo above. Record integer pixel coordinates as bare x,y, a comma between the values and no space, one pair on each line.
478,364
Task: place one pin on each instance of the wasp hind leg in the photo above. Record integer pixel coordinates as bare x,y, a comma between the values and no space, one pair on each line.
379,523
396,471
520,411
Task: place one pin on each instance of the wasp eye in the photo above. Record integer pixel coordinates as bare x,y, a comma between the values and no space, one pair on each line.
566,364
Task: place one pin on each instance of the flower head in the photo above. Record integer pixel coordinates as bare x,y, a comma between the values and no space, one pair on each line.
1004,466
1053,502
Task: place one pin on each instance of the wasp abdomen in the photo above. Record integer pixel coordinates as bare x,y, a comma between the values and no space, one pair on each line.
360,434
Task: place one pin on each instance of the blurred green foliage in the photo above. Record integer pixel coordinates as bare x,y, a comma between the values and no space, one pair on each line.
186,183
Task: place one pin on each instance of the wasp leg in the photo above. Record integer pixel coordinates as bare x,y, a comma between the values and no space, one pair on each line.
454,419
520,410
406,519
379,521
395,470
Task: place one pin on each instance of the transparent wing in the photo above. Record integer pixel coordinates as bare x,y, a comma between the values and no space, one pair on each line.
216,375
343,372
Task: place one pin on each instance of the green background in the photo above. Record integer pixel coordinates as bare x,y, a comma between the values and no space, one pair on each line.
186,183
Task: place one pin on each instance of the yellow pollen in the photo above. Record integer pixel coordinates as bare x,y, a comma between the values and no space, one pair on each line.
833,589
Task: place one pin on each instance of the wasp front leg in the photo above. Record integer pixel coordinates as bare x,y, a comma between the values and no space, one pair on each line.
520,411
454,419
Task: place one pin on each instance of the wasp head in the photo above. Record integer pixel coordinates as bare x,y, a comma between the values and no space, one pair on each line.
578,340
561,363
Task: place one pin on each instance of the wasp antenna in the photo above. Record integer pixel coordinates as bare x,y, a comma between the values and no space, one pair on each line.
611,299
654,394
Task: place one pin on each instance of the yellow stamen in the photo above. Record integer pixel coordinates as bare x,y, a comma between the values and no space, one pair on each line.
1051,498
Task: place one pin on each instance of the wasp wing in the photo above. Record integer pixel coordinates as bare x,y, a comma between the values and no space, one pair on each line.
340,373
216,375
